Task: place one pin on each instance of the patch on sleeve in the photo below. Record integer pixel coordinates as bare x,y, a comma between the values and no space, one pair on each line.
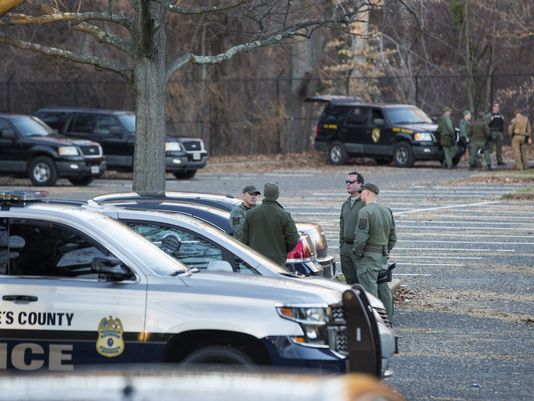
362,224
236,220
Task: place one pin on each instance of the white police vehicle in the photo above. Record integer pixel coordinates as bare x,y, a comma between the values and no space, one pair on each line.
77,287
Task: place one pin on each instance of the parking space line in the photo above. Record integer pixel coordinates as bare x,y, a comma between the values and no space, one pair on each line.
429,264
457,227
492,223
453,250
462,205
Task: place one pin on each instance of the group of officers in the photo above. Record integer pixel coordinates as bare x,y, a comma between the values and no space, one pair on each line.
485,132
367,233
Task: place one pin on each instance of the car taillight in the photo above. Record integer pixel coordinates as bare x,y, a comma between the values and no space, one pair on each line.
301,251
317,131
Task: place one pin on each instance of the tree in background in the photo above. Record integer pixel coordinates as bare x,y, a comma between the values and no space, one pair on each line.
132,42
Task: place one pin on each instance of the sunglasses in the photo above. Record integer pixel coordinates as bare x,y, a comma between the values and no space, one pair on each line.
350,181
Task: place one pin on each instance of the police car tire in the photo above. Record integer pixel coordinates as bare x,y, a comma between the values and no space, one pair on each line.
219,355
42,171
403,155
81,181
337,154
185,175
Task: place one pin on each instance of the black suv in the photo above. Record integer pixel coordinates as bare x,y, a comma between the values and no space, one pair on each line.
28,147
349,127
115,131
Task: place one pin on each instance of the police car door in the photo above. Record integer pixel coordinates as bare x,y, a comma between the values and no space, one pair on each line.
55,311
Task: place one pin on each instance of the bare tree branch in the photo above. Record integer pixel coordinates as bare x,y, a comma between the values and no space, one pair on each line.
121,69
201,10
106,37
24,19
303,29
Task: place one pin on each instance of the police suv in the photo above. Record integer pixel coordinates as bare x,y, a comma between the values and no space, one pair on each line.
78,287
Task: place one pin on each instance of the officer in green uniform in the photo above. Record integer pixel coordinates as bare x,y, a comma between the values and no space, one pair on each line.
464,129
237,215
269,229
347,224
480,134
374,238
446,134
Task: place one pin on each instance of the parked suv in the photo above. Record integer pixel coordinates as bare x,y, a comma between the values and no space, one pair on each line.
28,147
81,288
349,127
115,131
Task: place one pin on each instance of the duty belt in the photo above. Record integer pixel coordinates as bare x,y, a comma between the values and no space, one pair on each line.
520,134
374,248
349,242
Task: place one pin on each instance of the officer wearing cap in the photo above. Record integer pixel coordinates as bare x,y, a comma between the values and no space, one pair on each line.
446,135
521,133
269,229
237,215
374,238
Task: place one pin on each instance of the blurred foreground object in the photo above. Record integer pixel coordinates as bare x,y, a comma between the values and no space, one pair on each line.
167,385
7,5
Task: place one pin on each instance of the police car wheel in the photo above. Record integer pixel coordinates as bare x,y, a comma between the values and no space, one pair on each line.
337,154
81,181
42,171
218,355
403,155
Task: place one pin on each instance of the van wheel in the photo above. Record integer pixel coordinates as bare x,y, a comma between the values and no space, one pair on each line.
185,175
42,171
403,155
81,181
337,154
218,355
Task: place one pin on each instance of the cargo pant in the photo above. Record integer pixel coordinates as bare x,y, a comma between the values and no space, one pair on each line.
348,263
475,145
497,138
519,147
448,153
369,266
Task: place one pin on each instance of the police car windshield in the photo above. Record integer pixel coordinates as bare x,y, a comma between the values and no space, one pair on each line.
128,121
31,126
143,250
407,115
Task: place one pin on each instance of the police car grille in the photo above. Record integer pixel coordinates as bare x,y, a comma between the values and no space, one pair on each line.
338,331
383,314
192,146
90,151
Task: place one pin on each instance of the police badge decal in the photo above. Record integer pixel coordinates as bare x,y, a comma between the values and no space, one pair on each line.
110,343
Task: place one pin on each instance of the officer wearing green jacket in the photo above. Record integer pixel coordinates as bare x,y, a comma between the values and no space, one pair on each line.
480,134
347,224
446,135
374,238
269,229
237,215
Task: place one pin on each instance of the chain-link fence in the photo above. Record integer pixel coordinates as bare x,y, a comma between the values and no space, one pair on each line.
241,116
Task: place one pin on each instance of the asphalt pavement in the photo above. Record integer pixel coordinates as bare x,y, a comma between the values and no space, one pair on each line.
464,258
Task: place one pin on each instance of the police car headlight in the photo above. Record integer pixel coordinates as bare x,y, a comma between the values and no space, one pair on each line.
313,322
173,146
422,136
68,151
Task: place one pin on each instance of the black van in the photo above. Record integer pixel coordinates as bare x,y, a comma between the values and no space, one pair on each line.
402,133
28,147
115,131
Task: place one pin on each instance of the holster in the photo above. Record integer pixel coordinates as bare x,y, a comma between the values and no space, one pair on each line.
386,276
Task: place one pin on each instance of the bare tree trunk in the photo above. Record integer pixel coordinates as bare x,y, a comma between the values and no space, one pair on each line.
150,79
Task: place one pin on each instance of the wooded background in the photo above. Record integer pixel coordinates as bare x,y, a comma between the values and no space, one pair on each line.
432,53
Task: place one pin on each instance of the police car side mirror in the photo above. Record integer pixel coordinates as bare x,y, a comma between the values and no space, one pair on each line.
116,131
378,122
8,134
110,267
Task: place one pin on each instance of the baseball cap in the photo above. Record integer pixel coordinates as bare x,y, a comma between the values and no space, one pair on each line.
371,187
251,189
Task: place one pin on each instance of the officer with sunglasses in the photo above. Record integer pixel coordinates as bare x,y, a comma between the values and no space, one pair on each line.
347,225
